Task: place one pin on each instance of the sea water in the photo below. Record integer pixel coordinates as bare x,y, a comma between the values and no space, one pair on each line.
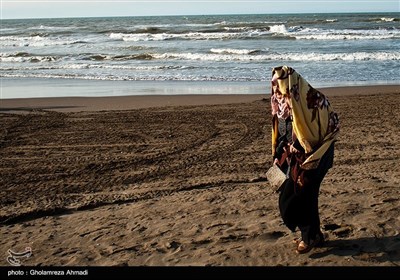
198,54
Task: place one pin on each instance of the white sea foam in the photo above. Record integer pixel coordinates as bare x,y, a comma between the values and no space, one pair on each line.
387,19
279,29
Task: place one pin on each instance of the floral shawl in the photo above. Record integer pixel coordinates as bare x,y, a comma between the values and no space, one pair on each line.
315,124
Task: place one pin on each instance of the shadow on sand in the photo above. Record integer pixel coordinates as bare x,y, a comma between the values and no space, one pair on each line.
372,249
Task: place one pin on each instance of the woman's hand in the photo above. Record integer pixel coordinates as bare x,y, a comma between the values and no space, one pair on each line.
293,150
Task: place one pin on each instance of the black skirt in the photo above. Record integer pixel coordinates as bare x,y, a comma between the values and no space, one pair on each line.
299,206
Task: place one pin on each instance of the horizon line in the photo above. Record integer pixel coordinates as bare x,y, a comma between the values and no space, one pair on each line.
191,15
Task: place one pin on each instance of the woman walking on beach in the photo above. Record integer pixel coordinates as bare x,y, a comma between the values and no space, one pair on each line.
303,134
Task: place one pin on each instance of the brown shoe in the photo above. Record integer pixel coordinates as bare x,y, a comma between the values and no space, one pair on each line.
303,247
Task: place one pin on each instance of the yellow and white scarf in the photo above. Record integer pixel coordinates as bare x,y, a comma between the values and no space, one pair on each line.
315,124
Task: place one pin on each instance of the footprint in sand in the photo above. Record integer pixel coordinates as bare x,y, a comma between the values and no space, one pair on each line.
273,235
339,230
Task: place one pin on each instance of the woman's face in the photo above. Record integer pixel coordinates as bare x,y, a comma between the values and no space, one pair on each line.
275,89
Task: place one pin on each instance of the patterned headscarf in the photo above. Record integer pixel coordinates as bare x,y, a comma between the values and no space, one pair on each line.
315,124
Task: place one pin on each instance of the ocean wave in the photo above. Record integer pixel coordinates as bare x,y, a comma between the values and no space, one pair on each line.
175,36
383,19
21,57
271,32
177,77
308,56
301,33
78,66
99,57
387,19
37,41
234,51
350,35
245,55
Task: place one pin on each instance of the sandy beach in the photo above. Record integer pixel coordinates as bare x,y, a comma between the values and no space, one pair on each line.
180,181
